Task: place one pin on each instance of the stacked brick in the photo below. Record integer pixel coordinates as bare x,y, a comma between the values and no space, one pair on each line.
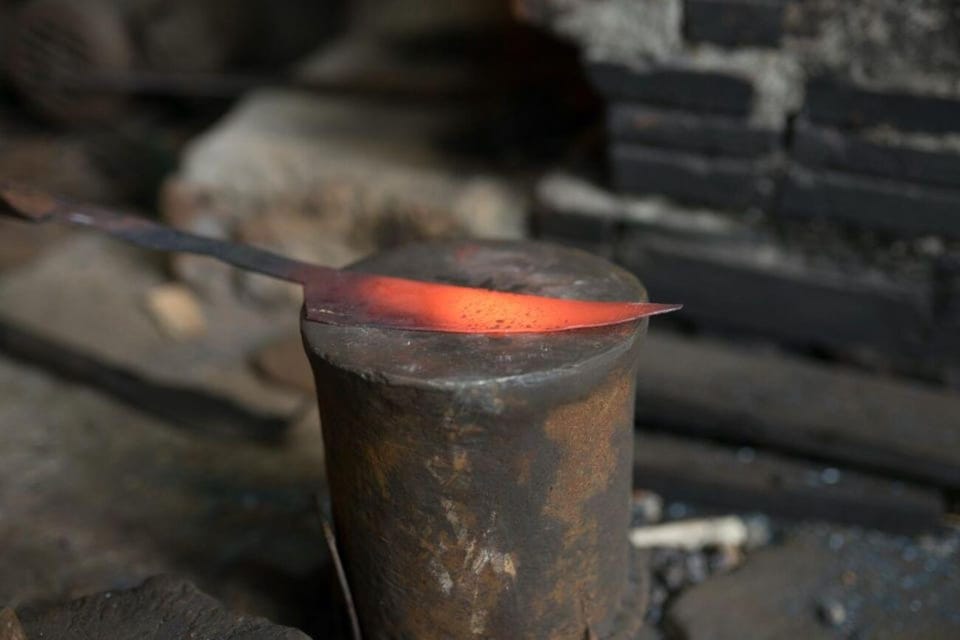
780,179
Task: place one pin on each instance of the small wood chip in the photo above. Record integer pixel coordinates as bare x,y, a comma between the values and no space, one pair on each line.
177,311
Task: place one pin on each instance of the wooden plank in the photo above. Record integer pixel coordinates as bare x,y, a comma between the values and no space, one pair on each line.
791,404
745,479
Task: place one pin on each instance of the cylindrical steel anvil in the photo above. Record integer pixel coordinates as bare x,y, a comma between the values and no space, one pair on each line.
481,485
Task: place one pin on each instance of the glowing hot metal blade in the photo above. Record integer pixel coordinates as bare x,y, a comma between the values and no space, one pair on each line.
346,297
416,305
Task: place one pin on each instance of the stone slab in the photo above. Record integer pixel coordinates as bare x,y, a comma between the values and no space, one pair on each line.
829,582
162,608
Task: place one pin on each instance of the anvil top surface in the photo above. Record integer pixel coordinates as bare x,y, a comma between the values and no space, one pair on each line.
437,359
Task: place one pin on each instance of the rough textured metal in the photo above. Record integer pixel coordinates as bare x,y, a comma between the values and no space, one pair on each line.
481,484
341,297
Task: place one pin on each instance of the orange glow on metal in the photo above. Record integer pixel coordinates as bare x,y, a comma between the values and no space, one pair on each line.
426,306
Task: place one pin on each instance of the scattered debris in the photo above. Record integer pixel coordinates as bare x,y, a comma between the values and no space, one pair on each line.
177,311
832,612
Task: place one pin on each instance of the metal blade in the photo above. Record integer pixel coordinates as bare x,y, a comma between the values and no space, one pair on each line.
345,297
355,298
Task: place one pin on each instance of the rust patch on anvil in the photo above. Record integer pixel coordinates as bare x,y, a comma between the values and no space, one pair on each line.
589,434
468,564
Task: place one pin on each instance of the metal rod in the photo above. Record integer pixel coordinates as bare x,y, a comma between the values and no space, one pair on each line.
41,207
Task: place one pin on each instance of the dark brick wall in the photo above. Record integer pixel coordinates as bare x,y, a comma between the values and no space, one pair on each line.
878,167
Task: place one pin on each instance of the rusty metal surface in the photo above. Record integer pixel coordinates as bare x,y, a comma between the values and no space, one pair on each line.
481,484
333,296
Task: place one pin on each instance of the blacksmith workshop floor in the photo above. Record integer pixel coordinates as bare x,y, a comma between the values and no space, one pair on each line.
98,495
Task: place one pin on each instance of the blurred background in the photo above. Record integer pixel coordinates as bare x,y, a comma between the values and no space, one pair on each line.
787,169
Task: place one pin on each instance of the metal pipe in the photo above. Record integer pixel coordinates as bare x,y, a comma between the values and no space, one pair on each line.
481,485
